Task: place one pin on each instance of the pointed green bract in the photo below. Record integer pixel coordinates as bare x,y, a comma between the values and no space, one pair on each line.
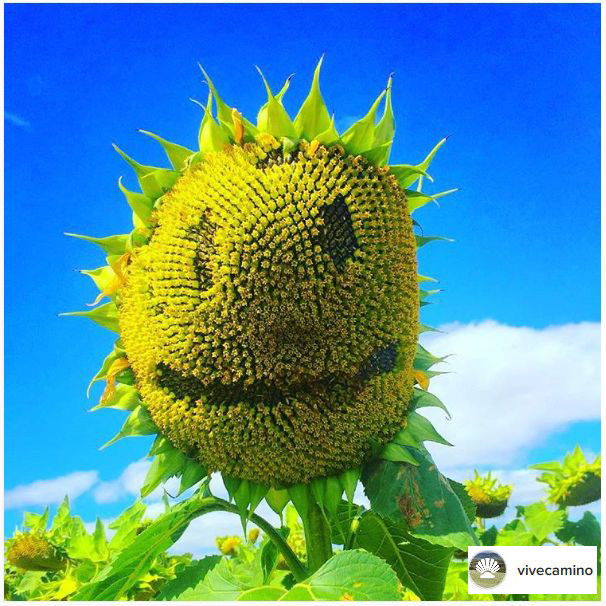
211,137
138,423
359,137
113,245
154,181
102,276
416,199
313,118
104,315
330,135
163,467
224,112
176,154
407,174
193,472
124,397
272,118
385,130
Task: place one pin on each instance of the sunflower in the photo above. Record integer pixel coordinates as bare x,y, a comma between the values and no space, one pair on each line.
30,551
573,482
267,301
489,496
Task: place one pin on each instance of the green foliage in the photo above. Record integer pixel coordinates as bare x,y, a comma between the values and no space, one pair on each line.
383,556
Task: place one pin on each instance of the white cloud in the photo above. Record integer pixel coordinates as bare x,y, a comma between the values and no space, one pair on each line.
49,492
511,388
129,484
16,120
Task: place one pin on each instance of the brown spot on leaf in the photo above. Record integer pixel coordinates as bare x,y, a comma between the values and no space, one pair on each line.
410,512
358,584
346,597
439,503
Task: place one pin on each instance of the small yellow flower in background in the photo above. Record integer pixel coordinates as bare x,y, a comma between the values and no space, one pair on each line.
253,535
228,546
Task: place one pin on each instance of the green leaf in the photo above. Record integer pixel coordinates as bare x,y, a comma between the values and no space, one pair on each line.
187,579
585,531
349,575
105,315
226,581
163,467
266,593
126,525
89,547
420,566
35,522
138,423
135,560
468,505
541,522
177,154
488,537
112,245
515,533
420,496
359,137
313,117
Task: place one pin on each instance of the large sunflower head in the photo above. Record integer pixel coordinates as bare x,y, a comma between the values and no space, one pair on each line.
268,298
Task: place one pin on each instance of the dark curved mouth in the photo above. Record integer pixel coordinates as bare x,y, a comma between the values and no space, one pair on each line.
181,387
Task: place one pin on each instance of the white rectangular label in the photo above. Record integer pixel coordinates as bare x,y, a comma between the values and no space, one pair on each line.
545,569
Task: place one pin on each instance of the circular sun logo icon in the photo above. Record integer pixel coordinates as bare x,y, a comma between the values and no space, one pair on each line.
487,569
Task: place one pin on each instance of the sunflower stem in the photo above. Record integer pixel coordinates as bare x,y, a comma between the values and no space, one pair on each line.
317,537
296,567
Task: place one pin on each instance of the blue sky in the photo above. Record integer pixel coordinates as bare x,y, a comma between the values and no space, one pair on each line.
516,87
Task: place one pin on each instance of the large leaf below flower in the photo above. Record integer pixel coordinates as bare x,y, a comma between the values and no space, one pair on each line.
421,497
420,566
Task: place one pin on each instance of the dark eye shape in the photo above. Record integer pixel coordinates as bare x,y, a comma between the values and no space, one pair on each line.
337,236
382,360
203,235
